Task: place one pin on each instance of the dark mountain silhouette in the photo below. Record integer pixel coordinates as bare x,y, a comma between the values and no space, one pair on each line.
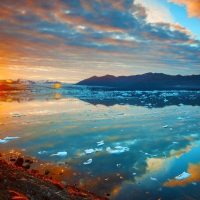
148,81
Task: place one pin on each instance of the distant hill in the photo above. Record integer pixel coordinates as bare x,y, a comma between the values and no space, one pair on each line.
148,81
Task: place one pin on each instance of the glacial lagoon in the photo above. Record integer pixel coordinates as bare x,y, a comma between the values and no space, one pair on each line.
118,144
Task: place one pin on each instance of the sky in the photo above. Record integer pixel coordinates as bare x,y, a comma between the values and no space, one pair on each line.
70,40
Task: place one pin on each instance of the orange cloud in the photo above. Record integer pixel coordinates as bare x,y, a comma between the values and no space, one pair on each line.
155,164
193,7
115,42
194,170
81,21
179,153
87,5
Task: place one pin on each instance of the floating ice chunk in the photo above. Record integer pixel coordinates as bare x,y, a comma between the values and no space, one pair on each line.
98,150
120,147
3,141
89,161
153,179
165,126
194,135
165,100
11,138
118,150
175,142
17,115
180,104
88,151
41,152
134,174
180,118
100,143
183,176
194,183
61,154
121,113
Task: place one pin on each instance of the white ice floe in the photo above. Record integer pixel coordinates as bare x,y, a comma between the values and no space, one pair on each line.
134,174
175,142
3,141
180,118
17,115
194,183
61,154
194,135
89,151
89,161
98,150
165,126
11,138
100,143
153,179
41,152
183,176
118,150
6,139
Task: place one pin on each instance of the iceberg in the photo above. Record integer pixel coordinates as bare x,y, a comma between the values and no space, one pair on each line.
6,139
183,176
3,141
11,138
17,115
89,161
88,151
61,154
100,143
153,179
180,118
118,150
41,152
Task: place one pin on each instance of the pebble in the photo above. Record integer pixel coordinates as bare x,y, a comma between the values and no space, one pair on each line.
19,162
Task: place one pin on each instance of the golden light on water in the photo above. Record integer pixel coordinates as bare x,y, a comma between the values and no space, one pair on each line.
57,85
57,96
9,81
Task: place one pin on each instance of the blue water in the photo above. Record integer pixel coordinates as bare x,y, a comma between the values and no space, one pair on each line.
72,125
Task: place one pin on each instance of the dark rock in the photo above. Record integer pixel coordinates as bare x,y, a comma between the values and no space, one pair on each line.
46,172
29,161
12,159
46,198
19,162
18,176
33,171
26,165
1,178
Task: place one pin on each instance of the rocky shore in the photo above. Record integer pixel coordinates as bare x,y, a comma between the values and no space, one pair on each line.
16,182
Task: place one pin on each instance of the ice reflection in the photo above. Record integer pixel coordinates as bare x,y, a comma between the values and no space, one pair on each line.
59,123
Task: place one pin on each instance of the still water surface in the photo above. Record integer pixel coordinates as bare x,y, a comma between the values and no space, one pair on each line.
154,155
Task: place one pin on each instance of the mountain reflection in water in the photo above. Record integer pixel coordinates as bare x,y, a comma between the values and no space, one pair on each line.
74,120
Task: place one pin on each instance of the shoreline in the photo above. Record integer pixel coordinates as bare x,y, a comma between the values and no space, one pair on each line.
18,183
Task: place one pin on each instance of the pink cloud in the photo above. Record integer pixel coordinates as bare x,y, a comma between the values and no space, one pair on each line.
193,7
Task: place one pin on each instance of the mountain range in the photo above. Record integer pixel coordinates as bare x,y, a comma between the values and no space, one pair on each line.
148,81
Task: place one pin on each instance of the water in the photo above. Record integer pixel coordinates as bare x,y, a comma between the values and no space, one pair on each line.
73,121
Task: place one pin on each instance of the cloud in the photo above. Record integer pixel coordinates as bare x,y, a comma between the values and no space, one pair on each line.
64,33
193,169
156,12
193,7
